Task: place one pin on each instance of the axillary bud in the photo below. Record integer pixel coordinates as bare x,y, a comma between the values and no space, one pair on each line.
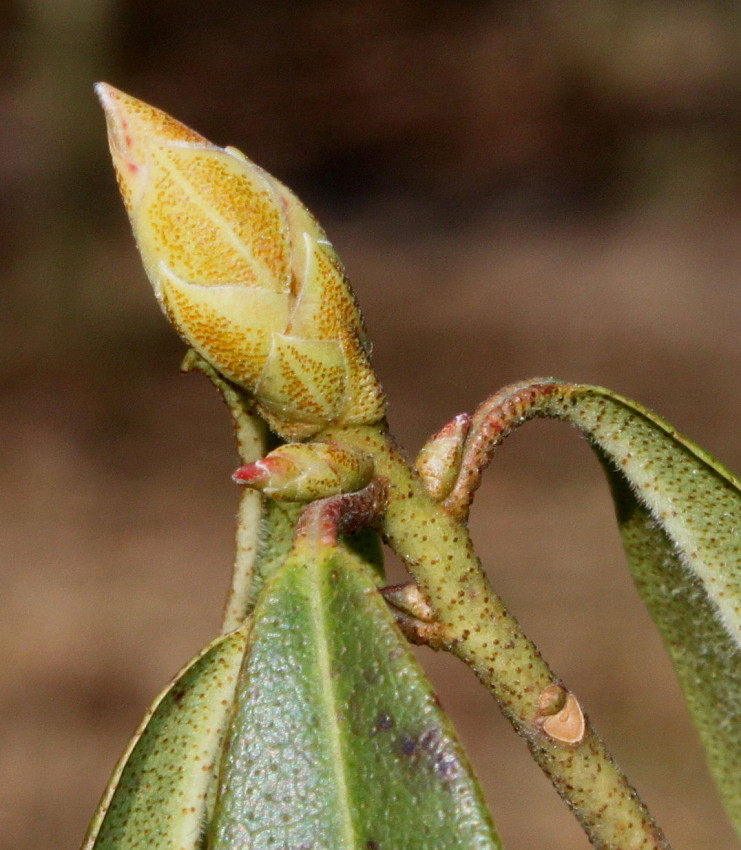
243,271
303,472
439,460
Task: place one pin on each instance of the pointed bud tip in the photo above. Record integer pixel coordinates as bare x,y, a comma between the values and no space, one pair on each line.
251,473
133,124
117,107
260,472
105,92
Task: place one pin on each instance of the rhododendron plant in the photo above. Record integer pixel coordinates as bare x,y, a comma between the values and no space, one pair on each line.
308,723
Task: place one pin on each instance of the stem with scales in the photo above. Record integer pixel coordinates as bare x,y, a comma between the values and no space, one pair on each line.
475,626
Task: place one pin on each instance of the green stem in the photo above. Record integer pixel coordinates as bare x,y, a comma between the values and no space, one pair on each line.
250,434
477,628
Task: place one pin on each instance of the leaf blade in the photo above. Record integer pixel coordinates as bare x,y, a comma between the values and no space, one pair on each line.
337,740
679,512
162,790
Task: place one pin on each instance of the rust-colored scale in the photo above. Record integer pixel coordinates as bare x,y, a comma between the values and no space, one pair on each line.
242,354
157,124
337,310
302,383
244,204
221,246
366,402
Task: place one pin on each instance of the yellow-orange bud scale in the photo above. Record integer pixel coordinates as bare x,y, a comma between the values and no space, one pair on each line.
243,271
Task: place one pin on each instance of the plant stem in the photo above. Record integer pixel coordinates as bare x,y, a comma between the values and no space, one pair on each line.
477,628
250,434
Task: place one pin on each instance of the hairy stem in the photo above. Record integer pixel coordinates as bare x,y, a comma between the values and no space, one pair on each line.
475,626
250,434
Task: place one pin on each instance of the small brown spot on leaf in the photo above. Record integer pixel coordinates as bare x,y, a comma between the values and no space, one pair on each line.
382,722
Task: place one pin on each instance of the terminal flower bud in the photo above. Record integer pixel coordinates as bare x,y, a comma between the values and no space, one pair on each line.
243,271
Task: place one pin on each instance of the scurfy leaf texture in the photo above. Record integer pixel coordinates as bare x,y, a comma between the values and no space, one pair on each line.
162,792
679,512
337,740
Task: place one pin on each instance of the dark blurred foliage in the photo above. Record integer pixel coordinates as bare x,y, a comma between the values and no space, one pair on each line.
542,186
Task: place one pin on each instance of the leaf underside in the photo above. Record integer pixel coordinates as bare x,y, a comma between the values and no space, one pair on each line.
338,740
679,513
161,794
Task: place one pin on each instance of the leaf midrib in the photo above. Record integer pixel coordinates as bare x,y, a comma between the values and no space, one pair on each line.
329,705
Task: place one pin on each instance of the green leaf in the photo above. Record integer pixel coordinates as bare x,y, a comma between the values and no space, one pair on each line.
338,740
162,791
679,512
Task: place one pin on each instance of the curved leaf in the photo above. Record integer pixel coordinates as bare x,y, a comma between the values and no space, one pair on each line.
162,791
337,739
679,512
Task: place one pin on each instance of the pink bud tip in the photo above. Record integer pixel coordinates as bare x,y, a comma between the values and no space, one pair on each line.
252,473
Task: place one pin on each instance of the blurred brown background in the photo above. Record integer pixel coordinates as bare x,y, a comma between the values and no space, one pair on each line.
517,189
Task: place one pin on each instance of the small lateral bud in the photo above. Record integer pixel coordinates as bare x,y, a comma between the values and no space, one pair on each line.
409,598
303,472
439,460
